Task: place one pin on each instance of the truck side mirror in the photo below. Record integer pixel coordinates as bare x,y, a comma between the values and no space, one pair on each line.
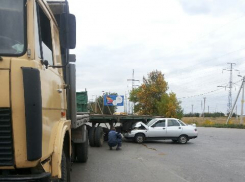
68,31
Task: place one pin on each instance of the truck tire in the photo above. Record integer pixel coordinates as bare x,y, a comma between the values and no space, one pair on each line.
91,136
99,137
82,151
73,152
106,137
65,168
106,131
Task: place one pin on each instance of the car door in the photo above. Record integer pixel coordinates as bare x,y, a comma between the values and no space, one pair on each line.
174,129
158,129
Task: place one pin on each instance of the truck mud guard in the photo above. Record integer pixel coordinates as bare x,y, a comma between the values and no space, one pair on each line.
33,112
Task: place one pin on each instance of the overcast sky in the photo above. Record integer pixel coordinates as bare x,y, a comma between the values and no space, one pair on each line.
189,41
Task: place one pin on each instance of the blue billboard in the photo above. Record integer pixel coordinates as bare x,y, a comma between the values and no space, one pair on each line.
113,100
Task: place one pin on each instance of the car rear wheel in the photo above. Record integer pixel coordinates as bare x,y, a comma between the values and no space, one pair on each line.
183,139
139,138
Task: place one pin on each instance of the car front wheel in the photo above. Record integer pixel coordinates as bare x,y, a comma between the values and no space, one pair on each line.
183,139
139,138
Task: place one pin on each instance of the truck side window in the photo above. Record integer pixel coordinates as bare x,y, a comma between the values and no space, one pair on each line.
45,36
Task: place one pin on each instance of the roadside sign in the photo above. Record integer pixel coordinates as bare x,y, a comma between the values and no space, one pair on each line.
113,100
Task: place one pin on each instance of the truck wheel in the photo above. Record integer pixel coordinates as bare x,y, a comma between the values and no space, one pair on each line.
91,136
65,168
106,131
73,152
106,137
183,139
82,151
139,138
99,137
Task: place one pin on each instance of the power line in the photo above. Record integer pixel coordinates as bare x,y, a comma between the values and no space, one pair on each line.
202,94
209,92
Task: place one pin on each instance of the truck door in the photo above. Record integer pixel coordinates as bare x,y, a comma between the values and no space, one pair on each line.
158,129
174,129
53,95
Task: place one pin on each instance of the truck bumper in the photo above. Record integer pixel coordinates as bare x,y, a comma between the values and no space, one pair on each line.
43,177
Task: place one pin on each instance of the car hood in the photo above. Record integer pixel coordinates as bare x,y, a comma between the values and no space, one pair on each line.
138,124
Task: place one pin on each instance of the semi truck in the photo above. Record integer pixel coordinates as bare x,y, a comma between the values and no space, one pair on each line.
40,130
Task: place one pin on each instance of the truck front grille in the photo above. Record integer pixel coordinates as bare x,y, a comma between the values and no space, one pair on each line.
6,140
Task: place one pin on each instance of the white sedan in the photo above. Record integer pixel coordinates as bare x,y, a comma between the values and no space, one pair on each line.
162,129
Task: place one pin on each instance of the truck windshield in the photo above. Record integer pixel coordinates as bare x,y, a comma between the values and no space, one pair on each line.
12,27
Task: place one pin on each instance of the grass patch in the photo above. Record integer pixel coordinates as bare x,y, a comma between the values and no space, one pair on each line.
226,126
219,122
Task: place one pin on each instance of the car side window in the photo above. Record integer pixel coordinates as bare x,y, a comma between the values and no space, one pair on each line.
160,123
172,122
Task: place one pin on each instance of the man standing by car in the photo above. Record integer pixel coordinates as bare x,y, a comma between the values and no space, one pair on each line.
114,139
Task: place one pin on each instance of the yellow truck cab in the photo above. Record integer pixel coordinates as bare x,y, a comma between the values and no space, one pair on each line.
38,121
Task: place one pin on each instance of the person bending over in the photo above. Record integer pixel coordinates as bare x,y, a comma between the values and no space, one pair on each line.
114,139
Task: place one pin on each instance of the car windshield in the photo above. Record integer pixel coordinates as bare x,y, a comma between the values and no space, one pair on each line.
151,122
182,123
12,27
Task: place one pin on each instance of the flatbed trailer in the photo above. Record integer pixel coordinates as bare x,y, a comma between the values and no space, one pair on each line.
126,121
122,123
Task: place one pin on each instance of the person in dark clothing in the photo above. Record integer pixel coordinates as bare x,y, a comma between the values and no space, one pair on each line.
114,139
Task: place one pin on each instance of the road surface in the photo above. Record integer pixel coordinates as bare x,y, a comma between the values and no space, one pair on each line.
217,155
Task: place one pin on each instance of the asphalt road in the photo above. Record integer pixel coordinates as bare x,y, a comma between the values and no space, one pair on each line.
217,155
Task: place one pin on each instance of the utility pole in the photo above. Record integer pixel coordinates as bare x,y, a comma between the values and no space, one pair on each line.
204,98
208,109
201,109
192,108
95,104
242,101
133,80
229,104
125,104
236,113
230,115
230,87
